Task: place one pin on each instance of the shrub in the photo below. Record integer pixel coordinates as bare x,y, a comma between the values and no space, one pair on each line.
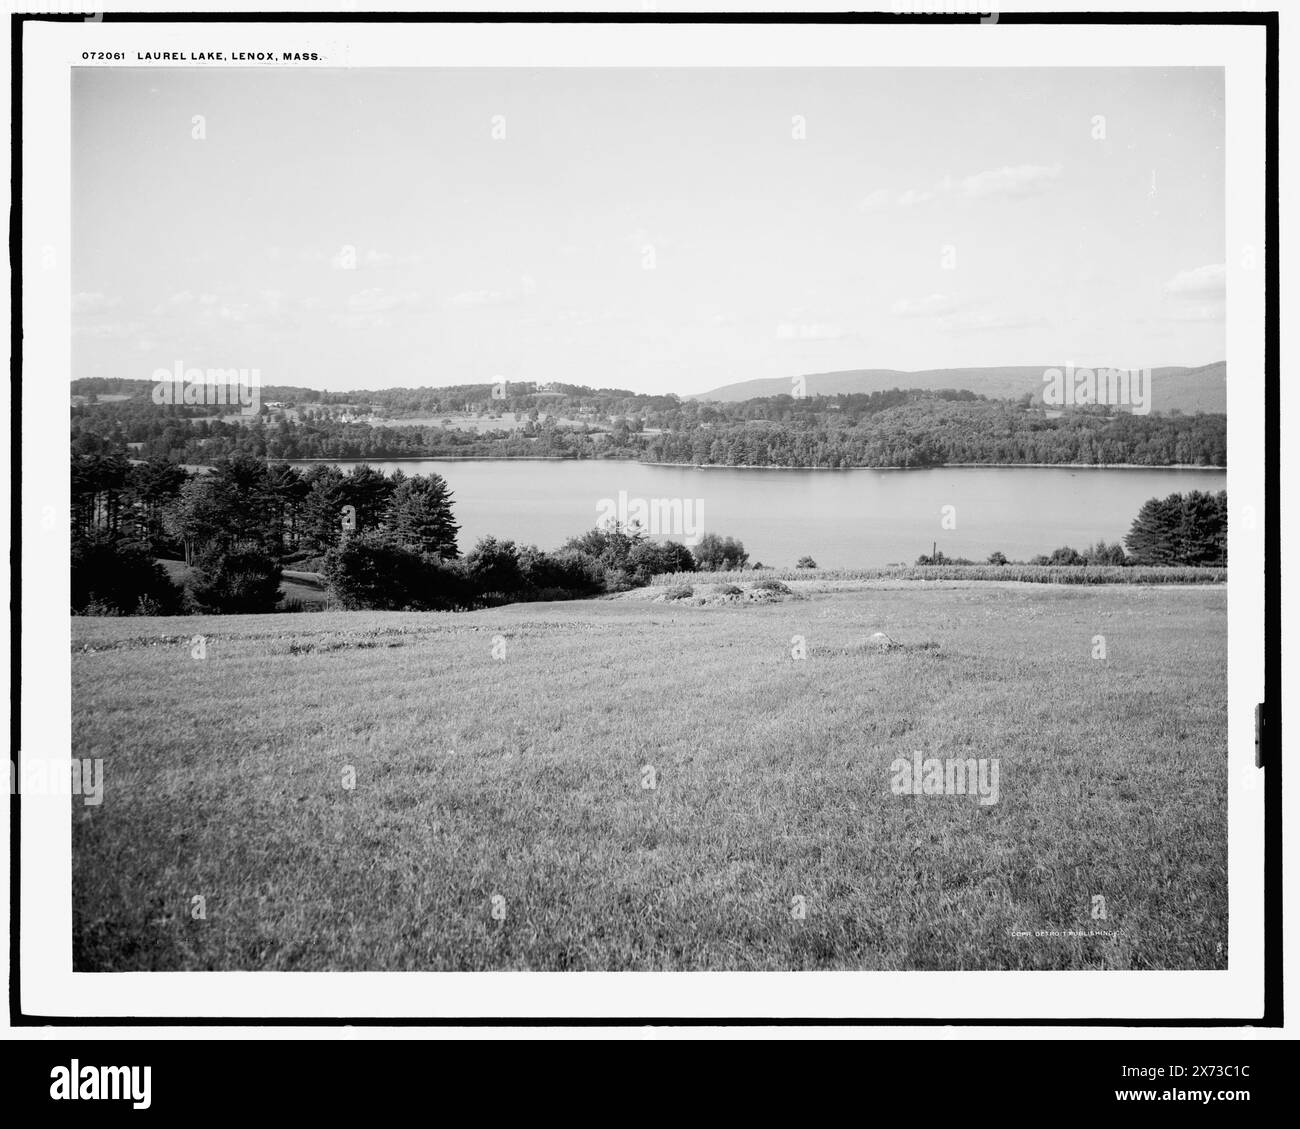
806,562
113,577
716,554
610,545
650,558
444,585
1103,554
777,586
940,559
371,571
234,581
567,572
618,580
1062,556
494,569
997,558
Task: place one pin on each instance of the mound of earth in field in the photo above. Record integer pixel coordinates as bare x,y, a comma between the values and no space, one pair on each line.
712,595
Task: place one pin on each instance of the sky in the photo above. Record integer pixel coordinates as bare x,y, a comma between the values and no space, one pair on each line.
656,230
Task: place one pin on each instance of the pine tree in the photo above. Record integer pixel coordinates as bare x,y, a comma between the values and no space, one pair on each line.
1154,536
419,516
1189,529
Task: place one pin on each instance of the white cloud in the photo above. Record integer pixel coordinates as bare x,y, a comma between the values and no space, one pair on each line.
187,300
378,300
1009,181
810,331
479,298
932,305
913,196
1195,313
109,330
209,308
376,258
507,296
362,321
1018,180
972,322
188,312
877,201
93,302
376,307
1203,282
352,256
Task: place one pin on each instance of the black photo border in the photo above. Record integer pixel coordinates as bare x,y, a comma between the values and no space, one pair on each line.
1269,738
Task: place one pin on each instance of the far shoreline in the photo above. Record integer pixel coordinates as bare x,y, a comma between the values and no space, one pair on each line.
951,466
743,466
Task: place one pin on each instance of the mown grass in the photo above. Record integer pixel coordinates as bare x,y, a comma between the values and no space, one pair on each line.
1023,573
524,778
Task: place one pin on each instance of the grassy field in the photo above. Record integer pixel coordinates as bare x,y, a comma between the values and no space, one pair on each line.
459,421
623,784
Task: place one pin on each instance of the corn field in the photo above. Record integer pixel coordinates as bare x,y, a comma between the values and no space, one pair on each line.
1024,573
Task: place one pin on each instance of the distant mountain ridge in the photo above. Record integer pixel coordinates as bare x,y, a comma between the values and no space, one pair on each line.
1175,388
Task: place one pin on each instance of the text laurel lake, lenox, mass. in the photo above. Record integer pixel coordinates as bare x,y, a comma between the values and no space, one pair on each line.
227,57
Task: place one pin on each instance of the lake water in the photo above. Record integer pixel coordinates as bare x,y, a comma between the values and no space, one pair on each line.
844,519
